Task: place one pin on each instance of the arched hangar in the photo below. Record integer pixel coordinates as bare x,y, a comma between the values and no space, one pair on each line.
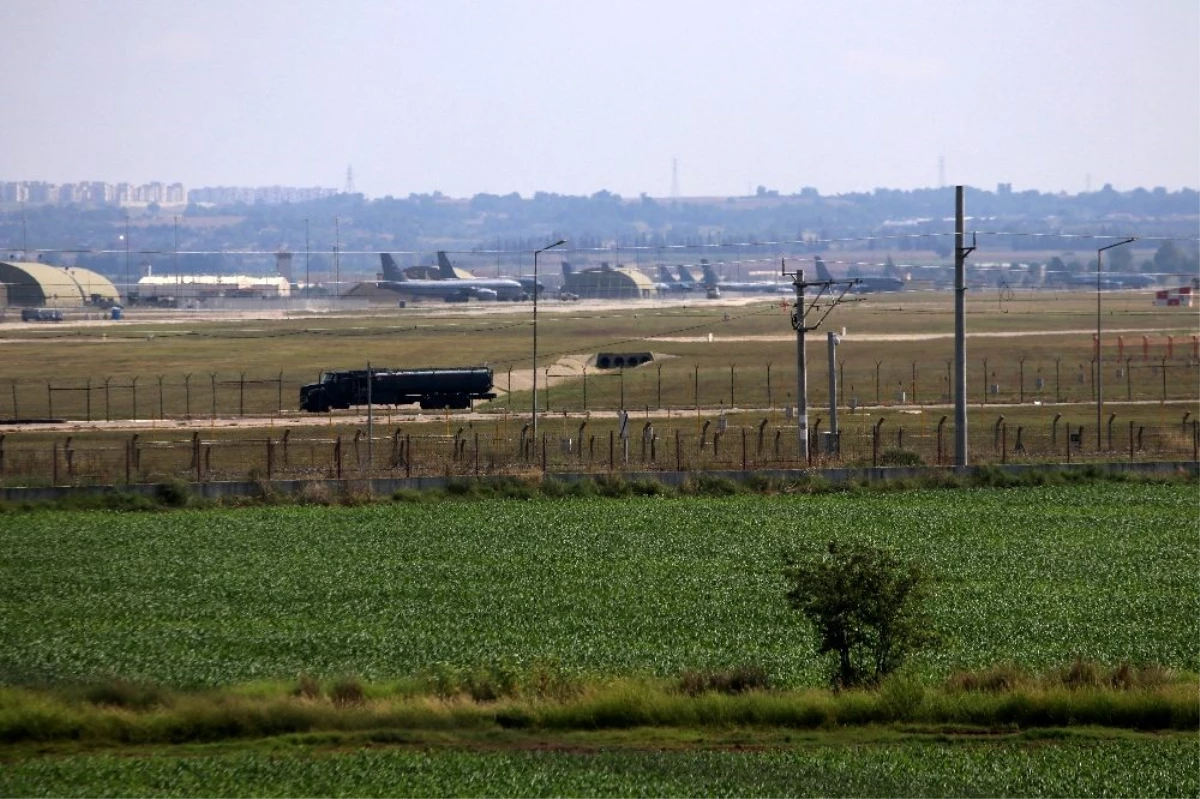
607,283
36,285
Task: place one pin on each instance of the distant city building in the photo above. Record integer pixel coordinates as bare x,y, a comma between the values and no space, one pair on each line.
93,193
98,193
263,195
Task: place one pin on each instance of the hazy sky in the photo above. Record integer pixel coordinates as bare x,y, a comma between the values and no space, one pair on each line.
574,97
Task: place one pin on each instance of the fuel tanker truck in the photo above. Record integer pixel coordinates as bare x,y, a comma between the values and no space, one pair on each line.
432,388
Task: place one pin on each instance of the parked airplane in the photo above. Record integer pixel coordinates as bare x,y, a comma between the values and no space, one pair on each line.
670,283
711,281
1112,281
865,285
446,270
687,278
450,290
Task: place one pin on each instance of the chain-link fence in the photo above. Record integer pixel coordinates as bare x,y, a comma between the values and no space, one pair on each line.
587,446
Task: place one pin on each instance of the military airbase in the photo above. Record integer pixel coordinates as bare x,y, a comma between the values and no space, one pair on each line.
211,395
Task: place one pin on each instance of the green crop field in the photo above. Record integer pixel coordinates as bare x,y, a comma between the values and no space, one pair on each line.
1066,768
1035,576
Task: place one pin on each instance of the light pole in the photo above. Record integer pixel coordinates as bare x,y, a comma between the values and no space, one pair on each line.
536,253
126,259
1099,350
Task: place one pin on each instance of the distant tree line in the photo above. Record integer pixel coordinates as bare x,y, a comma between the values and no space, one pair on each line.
805,221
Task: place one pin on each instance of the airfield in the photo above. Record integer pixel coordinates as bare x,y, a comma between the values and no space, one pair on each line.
231,379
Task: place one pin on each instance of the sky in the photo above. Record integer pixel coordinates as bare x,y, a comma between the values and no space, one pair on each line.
661,97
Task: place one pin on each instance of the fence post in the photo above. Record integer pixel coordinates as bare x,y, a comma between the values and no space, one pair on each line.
270,458
1004,443
160,397
136,450
128,465
54,464
187,395
213,379
543,453
49,400
133,389
279,385
996,432
743,449
407,455
196,462
88,402
610,451
1164,381
875,443
287,434
337,456
678,453
16,415
106,406
941,424
1131,441
242,394
2,436
1111,418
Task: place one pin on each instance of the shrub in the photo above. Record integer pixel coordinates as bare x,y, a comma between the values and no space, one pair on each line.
307,686
347,691
994,679
900,457
173,493
725,681
126,694
866,607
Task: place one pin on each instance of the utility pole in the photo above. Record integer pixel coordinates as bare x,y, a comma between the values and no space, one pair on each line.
801,326
960,329
835,437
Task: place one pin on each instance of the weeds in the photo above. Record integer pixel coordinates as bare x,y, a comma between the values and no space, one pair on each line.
542,696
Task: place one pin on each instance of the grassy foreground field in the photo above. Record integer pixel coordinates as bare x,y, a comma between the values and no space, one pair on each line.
1035,576
1069,767
606,590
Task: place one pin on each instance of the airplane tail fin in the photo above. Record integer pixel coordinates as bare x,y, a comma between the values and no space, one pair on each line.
568,270
686,275
822,272
664,275
710,275
445,268
391,270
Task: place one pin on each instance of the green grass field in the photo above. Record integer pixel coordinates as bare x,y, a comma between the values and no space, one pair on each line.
1035,576
603,589
1071,767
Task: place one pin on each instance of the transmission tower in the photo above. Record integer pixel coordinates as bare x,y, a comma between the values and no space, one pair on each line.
349,181
674,178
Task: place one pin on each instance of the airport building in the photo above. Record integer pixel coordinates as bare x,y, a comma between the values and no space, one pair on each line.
182,290
609,283
28,284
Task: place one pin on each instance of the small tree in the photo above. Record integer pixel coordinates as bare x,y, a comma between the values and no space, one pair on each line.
867,607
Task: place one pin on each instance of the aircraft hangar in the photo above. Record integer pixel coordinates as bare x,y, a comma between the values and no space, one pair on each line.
608,283
36,285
